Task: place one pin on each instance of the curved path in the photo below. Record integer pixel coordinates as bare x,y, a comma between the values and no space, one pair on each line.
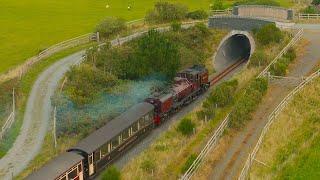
36,118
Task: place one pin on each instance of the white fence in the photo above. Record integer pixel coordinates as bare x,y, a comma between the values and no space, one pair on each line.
10,119
211,143
308,16
294,40
271,119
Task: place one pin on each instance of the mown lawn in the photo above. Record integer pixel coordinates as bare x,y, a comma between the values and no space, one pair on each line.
31,26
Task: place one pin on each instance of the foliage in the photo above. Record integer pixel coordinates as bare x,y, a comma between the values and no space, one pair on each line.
316,2
166,12
217,5
248,102
112,173
257,2
111,26
258,58
85,81
269,34
186,126
148,166
197,14
281,66
220,97
176,26
188,163
310,10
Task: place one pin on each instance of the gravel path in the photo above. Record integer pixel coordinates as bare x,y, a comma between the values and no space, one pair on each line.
229,165
36,118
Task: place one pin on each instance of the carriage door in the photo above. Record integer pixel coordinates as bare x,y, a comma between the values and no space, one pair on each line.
91,166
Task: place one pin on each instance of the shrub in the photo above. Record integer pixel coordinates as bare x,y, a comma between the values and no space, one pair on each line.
280,67
316,2
257,2
186,126
166,12
291,54
310,10
188,163
112,173
216,5
248,102
176,26
198,14
111,26
222,95
258,58
148,165
269,34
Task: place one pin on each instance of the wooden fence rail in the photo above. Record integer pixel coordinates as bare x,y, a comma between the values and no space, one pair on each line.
251,157
308,16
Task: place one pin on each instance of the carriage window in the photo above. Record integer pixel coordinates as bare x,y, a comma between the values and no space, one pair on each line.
115,142
97,155
135,127
125,134
142,122
63,177
80,167
72,174
104,150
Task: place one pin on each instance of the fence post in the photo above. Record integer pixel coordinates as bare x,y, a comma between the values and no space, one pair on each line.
54,126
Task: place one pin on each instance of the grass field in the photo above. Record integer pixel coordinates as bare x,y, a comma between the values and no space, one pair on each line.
31,26
291,148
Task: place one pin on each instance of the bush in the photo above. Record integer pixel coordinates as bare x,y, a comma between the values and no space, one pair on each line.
198,14
248,102
166,12
316,2
269,34
188,163
111,26
310,10
176,26
186,126
291,54
112,173
258,58
217,5
280,67
222,95
148,166
257,2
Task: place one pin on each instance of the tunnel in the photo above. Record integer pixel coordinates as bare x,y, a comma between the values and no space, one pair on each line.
236,46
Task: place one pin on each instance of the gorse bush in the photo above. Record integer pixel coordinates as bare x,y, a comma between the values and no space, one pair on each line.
188,163
248,102
281,66
197,14
111,26
258,58
269,34
112,173
186,126
166,12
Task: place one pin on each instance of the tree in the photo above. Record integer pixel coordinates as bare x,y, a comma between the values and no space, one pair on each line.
166,12
111,26
112,173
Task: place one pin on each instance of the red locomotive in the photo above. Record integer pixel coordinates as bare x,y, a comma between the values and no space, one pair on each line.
187,86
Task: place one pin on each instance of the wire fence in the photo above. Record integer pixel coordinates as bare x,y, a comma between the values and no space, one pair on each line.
10,119
308,16
293,42
271,118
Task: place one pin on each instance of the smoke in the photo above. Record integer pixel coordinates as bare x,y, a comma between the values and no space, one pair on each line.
72,119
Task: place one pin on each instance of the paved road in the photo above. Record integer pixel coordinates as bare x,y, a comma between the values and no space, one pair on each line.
229,164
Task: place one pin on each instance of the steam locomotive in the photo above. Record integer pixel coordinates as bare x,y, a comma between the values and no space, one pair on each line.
92,154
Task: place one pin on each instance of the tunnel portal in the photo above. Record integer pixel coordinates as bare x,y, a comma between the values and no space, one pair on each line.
236,46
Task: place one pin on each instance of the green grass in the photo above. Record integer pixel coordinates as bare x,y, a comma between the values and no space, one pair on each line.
24,88
31,26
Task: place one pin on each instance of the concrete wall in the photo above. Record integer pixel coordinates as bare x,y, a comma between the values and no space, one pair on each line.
270,12
237,23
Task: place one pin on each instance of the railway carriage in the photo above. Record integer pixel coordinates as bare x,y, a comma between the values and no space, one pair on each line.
67,166
106,144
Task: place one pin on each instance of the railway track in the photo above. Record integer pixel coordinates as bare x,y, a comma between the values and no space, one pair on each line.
225,72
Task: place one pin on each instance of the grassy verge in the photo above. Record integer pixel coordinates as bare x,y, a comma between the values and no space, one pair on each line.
23,89
291,146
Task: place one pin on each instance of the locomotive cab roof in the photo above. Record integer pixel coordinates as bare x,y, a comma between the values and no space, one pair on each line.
113,128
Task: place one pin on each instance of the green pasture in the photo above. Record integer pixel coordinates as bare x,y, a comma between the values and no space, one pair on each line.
28,27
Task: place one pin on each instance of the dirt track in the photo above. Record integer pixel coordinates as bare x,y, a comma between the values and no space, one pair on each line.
232,155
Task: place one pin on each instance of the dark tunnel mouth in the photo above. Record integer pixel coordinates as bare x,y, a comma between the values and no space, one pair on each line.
233,49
